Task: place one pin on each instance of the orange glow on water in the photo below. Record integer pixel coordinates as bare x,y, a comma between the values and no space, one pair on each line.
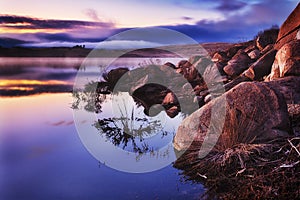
17,24
10,83
18,88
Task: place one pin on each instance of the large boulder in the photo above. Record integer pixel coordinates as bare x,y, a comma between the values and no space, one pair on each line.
239,63
286,61
251,112
261,67
289,29
288,87
292,67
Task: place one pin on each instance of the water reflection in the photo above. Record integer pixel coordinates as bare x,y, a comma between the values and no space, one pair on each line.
135,108
130,133
120,137
89,98
121,120
27,76
45,141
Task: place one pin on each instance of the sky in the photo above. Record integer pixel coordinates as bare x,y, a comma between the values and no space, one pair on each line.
46,23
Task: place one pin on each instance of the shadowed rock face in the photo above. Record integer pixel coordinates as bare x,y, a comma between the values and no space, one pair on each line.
262,66
255,112
289,29
288,87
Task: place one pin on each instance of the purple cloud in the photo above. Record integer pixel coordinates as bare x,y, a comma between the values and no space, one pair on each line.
231,5
91,13
187,18
13,21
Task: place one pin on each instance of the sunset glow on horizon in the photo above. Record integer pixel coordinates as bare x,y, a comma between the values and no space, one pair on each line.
46,23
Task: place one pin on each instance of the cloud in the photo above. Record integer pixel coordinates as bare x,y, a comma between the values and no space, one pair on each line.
269,11
72,31
21,22
231,5
60,123
91,13
239,26
211,34
11,42
65,37
187,18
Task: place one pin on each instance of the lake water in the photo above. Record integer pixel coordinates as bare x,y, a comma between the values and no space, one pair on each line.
42,156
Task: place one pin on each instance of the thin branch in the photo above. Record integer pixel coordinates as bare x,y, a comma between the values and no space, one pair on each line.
294,147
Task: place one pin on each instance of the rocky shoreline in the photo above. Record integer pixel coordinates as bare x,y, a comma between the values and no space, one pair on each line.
250,94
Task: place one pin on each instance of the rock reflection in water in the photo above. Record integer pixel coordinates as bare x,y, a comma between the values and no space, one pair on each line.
89,98
150,96
127,126
129,133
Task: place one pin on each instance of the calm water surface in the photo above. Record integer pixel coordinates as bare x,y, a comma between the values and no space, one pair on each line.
42,157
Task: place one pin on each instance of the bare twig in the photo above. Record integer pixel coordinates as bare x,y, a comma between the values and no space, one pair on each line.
294,147
289,165
202,176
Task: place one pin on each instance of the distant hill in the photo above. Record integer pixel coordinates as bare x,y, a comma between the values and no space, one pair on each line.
165,51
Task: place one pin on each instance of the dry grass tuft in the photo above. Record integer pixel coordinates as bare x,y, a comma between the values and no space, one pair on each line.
247,171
